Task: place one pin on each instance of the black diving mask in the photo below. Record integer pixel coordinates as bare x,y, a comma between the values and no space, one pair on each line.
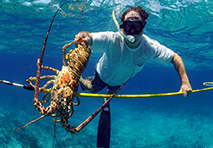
133,26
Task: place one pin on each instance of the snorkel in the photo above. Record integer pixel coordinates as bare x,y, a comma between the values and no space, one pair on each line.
128,37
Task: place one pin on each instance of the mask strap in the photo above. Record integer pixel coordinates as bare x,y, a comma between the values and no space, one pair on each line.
128,37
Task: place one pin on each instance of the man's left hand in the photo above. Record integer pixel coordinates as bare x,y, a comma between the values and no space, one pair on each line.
186,89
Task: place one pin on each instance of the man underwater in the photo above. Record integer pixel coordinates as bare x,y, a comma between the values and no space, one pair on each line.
123,58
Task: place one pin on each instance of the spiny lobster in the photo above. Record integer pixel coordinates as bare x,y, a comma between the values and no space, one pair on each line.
65,83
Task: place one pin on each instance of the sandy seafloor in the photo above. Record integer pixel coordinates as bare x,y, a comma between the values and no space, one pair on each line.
164,122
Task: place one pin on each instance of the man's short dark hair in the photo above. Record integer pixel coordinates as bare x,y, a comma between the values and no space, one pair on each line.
143,14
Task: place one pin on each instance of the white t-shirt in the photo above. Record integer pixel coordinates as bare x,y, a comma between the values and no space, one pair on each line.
119,62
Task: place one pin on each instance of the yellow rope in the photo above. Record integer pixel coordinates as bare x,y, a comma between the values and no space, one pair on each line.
135,96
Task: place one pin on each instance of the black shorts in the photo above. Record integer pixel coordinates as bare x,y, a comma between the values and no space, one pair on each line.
98,84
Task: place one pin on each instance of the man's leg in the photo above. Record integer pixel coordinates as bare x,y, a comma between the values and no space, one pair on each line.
104,126
94,84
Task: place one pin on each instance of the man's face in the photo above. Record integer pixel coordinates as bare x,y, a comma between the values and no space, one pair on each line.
137,34
133,25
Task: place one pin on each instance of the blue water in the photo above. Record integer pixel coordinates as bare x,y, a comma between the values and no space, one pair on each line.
185,26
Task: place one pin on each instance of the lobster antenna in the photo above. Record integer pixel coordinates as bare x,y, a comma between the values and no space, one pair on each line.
38,74
28,123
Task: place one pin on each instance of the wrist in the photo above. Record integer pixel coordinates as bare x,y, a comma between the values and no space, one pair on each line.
185,81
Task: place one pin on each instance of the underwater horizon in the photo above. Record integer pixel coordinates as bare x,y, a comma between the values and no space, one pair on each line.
185,26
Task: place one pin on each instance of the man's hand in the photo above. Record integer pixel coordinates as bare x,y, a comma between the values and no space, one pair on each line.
186,89
86,35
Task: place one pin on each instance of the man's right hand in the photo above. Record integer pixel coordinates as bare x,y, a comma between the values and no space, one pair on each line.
86,35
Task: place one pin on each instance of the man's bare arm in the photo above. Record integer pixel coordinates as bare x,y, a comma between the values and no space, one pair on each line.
180,68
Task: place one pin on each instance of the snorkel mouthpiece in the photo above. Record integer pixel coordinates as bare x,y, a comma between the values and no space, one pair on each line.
128,37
